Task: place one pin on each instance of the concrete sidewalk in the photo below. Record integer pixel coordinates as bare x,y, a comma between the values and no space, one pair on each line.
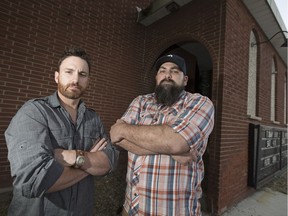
270,200
264,202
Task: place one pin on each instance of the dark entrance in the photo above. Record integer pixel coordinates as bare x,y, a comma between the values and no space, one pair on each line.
199,71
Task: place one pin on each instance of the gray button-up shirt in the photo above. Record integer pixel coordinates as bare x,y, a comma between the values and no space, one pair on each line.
39,127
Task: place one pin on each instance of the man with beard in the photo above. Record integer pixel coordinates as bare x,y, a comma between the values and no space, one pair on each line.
165,134
56,145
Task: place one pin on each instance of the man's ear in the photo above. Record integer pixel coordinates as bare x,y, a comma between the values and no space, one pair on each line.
56,76
185,80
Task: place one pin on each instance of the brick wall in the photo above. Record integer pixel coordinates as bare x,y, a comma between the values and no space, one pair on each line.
33,33
234,130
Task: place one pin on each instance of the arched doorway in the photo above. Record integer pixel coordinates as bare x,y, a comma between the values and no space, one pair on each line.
199,70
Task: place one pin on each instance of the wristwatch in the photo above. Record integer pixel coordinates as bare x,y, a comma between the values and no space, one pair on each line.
80,159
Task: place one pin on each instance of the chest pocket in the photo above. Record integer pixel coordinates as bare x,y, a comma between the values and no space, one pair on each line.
147,118
90,139
92,133
158,117
61,137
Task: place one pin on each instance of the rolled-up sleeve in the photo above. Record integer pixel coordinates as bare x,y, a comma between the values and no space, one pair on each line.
113,154
30,152
195,122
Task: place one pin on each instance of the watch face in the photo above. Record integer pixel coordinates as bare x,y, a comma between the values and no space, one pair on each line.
81,161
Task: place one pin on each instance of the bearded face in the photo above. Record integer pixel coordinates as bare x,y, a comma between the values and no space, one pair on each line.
71,90
170,82
72,78
167,92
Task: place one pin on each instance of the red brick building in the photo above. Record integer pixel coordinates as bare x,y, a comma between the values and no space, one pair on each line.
221,41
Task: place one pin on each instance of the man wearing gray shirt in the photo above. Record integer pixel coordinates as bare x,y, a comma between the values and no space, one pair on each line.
56,145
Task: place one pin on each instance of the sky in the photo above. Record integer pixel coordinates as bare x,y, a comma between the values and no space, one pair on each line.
282,6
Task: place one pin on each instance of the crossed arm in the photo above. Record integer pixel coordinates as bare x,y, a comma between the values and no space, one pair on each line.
35,168
195,120
151,139
96,163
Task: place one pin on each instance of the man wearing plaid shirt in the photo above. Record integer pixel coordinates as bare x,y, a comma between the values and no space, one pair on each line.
165,134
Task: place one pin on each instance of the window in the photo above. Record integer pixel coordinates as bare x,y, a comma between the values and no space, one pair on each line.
252,78
273,92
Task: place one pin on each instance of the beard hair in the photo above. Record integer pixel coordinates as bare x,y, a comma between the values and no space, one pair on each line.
71,95
167,94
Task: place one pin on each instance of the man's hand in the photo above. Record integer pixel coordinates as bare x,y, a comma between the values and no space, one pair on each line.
99,145
65,157
68,157
115,131
186,157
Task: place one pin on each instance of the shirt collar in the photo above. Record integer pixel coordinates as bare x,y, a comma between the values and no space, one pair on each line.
54,101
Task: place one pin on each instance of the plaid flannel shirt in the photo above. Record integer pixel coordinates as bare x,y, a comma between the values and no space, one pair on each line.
164,186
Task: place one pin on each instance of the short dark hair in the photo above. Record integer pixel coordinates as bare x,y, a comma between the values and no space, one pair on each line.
75,51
